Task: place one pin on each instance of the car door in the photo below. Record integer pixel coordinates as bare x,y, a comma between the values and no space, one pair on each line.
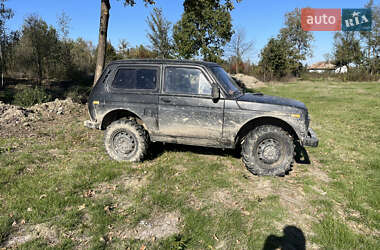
186,108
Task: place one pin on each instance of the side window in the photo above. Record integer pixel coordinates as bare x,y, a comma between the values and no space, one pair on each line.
135,79
186,81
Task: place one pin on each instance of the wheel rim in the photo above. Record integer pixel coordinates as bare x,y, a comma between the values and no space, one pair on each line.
124,143
269,151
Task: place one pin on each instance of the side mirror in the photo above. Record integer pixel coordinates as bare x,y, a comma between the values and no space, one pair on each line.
215,93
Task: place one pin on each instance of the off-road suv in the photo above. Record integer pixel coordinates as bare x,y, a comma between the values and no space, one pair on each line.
195,103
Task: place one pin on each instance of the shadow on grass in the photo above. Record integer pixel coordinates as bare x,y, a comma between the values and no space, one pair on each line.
293,239
301,157
158,148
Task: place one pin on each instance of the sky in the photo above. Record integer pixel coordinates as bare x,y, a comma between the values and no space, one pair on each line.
260,20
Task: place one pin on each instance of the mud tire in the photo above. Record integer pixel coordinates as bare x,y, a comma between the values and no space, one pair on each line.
126,140
268,150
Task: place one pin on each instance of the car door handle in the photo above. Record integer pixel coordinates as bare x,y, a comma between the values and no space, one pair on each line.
166,100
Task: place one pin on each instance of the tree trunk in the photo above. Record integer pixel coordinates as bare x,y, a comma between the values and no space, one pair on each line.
39,66
237,66
103,27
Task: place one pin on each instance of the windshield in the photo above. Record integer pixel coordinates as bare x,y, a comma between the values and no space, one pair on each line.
225,79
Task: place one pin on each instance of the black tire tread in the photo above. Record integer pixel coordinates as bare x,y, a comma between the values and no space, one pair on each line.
140,133
248,143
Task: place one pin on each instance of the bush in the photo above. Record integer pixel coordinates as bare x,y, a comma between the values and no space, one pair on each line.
30,96
358,74
315,76
78,94
353,75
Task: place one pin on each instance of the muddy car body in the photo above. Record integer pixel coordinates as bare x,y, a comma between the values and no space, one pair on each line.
194,103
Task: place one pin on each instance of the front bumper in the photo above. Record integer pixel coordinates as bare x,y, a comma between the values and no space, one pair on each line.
91,124
311,140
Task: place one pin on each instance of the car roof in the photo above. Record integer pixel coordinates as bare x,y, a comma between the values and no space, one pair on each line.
164,61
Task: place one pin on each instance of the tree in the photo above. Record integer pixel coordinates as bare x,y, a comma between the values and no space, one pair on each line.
284,54
159,34
275,61
5,14
299,39
205,28
123,49
83,57
372,40
347,49
63,21
38,45
140,52
296,43
111,54
105,7
239,47
9,45
278,59
65,68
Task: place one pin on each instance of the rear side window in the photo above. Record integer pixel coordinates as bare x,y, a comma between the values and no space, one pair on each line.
135,79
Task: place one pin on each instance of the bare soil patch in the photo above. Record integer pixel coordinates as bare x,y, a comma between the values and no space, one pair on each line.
123,183
160,226
119,192
24,233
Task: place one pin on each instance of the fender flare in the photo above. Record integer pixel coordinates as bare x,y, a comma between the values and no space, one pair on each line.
118,113
266,120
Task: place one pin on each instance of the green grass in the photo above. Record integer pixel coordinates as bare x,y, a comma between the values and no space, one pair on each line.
46,179
346,118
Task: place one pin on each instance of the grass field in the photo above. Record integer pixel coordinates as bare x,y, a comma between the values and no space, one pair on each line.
59,189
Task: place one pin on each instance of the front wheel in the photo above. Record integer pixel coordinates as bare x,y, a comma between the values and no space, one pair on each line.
126,140
268,150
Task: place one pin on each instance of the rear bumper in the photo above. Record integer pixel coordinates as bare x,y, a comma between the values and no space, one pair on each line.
311,140
91,124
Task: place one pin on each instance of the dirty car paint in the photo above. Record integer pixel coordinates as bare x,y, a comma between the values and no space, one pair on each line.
191,119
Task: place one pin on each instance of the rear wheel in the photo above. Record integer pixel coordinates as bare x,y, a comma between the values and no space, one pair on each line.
268,150
126,140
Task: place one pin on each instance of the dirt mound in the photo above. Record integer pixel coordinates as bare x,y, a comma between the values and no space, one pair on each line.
11,115
250,82
59,107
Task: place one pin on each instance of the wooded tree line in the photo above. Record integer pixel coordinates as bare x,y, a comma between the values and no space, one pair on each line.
42,51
